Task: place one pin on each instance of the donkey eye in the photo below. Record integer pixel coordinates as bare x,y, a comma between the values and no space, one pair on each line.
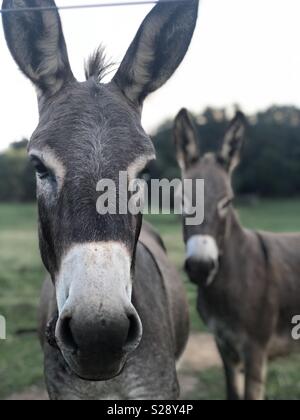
223,206
226,203
40,168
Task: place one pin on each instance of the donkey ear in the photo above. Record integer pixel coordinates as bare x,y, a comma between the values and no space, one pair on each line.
37,44
186,140
233,142
158,48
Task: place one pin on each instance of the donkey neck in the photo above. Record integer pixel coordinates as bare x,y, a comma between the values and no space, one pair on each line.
235,235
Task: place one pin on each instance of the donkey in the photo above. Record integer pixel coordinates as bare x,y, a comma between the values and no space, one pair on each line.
114,316
248,282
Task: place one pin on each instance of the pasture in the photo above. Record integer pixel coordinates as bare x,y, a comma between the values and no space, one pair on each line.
21,275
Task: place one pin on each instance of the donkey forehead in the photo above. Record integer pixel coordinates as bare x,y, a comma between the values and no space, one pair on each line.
91,121
217,183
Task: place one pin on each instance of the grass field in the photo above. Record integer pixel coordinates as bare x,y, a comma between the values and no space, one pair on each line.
21,275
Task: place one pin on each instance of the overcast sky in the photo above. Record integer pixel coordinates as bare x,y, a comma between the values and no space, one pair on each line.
243,51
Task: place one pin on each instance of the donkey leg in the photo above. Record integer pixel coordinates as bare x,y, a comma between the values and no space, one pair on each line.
256,373
234,374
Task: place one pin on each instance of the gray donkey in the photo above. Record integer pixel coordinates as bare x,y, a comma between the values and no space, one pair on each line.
115,314
248,282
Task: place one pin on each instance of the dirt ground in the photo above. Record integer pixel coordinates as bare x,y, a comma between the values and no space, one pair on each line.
201,354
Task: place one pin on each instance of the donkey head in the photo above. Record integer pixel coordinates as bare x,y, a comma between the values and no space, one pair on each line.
88,132
204,243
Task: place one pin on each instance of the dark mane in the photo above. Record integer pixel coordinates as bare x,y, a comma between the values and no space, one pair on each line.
97,66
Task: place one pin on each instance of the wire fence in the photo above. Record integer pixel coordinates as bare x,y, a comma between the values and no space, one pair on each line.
89,6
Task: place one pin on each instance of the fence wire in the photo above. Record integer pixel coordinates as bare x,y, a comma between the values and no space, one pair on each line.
89,6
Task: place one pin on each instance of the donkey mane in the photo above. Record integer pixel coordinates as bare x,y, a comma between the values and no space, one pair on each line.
97,66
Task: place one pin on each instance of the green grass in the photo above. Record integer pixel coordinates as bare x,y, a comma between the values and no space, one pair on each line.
272,215
20,279
283,382
21,276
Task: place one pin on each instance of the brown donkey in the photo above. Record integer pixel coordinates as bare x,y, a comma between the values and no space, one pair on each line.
248,282
117,311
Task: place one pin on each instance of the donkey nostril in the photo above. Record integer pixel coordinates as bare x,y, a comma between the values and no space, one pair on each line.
66,335
134,334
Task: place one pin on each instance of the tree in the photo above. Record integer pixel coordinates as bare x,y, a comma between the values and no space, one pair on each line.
270,164
17,179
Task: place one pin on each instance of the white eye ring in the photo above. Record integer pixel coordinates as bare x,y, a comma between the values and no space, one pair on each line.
223,206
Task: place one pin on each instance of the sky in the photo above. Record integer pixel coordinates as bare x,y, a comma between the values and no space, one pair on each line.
244,52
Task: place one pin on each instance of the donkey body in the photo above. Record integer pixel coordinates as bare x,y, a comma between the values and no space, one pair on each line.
248,282
114,312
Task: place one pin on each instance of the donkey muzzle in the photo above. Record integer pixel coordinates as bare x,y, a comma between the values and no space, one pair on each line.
201,272
98,327
202,260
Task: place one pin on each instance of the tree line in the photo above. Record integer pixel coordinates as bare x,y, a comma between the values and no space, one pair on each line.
17,178
270,164
270,161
